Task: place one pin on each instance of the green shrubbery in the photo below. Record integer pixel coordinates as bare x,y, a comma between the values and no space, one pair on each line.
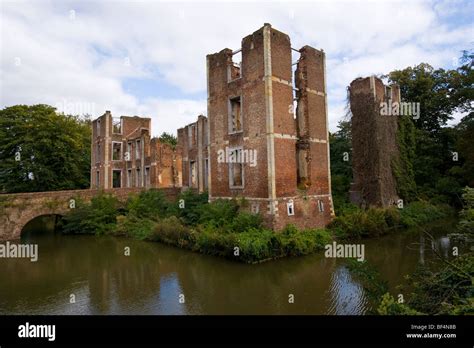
358,223
218,228
466,224
449,291
97,217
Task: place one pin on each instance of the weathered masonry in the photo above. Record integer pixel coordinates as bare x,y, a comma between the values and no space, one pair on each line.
374,142
261,147
193,144
124,155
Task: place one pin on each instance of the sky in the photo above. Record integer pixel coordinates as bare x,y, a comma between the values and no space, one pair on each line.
148,58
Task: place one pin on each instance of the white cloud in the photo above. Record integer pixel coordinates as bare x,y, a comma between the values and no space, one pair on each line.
80,57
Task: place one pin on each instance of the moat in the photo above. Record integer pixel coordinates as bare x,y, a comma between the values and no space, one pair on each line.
151,280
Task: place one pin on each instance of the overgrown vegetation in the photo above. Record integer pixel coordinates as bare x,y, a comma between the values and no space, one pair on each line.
466,222
447,291
219,228
354,223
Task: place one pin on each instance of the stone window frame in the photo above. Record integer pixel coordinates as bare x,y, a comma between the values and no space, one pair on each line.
229,114
121,178
97,179
320,206
138,149
290,208
147,180
234,64
231,173
98,152
129,151
138,181
121,150
114,125
191,165
129,177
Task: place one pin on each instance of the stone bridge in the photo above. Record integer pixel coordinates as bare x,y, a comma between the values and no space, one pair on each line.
17,209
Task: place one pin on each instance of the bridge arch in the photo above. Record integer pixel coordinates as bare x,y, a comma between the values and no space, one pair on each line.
17,209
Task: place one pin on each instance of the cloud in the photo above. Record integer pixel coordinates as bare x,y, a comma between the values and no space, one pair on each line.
80,54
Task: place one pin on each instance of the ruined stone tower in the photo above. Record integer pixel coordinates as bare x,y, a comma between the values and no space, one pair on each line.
374,142
260,147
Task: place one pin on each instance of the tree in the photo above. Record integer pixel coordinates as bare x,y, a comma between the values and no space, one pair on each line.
42,150
168,138
437,171
341,159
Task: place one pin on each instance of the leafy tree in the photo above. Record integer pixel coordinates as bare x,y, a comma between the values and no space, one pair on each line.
42,150
341,163
438,175
168,139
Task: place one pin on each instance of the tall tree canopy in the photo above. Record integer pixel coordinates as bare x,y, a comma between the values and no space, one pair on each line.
42,150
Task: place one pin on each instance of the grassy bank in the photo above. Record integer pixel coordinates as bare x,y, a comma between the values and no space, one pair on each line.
222,228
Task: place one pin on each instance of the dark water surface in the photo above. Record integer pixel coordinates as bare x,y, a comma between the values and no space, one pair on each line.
151,280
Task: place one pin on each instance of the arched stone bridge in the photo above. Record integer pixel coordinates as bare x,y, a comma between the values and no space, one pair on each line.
17,209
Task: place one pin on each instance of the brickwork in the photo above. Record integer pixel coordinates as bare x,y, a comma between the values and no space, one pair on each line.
20,208
124,155
374,143
193,144
250,108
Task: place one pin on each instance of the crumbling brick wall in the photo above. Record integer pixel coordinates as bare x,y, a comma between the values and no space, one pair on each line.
264,86
374,143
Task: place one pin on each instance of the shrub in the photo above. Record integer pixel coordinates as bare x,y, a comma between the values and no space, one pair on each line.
194,204
97,217
358,223
218,213
211,241
388,306
170,230
257,245
466,224
151,204
131,226
245,221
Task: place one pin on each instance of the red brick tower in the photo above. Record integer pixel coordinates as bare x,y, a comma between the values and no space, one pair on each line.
283,154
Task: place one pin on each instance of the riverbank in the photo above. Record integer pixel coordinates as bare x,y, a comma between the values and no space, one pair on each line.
223,228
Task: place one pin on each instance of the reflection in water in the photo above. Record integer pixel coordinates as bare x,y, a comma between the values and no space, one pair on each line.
347,296
151,279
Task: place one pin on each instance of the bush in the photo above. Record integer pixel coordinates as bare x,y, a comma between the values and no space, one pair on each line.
466,224
388,306
170,230
194,204
151,204
210,240
218,213
97,217
422,212
245,221
358,223
131,226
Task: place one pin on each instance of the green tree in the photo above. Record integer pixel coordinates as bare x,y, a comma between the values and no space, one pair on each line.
42,150
341,163
168,138
438,174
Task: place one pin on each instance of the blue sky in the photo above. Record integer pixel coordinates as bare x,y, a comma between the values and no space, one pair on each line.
147,58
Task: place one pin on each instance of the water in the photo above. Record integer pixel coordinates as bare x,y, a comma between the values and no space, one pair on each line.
151,280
